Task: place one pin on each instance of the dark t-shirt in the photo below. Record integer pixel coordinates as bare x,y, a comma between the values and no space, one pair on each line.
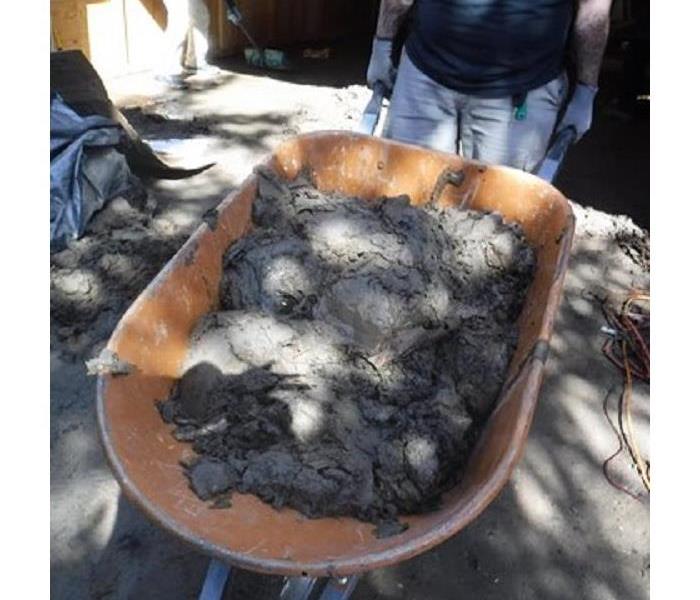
490,48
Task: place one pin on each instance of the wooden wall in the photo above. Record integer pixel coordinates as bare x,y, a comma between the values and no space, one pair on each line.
119,36
116,35
285,22
69,25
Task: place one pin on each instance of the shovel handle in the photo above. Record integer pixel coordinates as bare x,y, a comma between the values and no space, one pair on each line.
378,90
232,12
370,116
555,155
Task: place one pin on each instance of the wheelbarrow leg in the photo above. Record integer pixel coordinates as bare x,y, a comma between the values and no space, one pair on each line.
340,588
301,588
297,588
217,575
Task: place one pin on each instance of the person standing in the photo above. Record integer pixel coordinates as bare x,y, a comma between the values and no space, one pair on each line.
487,78
186,42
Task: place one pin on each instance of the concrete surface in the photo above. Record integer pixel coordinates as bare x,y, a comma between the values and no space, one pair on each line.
559,530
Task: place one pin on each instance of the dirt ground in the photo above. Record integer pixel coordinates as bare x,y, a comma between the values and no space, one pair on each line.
558,530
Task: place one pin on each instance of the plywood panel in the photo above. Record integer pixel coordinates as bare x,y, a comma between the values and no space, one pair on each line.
126,35
116,35
107,36
69,24
285,22
145,23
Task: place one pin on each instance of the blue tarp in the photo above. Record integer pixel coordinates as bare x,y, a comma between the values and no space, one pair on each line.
86,170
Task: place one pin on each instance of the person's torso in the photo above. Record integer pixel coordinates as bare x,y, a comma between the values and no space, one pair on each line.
490,47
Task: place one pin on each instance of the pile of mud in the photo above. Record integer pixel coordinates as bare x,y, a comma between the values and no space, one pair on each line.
359,349
96,278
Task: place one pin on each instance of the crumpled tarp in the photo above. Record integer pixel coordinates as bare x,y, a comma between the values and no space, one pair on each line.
86,170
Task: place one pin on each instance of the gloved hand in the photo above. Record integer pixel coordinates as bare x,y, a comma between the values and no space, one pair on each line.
579,111
380,66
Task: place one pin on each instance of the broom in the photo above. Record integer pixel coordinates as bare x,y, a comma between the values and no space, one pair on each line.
255,56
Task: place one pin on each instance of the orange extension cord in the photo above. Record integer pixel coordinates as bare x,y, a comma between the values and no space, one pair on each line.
628,351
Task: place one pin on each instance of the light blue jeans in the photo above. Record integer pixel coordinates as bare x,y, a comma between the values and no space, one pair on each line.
428,114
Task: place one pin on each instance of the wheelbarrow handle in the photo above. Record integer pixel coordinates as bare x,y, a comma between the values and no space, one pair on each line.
555,155
370,116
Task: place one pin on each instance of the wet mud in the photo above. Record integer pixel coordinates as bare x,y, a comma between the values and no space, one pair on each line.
359,348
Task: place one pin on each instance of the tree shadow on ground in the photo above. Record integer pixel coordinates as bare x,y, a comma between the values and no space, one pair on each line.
251,131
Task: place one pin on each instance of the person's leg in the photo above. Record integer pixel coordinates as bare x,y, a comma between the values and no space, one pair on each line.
201,48
421,111
199,20
175,39
490,131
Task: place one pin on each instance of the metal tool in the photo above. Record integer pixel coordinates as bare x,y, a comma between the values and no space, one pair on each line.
370,116
234,16
549,168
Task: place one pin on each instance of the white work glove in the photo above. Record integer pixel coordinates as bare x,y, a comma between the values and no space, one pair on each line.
579,111
380,68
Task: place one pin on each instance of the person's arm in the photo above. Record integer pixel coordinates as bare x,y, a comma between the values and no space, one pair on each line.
589,37
381,69
391,15
590,34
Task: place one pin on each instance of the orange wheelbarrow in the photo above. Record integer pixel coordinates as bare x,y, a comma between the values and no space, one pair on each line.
153,337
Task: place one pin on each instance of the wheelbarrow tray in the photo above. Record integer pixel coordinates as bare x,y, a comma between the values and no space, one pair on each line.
153,336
